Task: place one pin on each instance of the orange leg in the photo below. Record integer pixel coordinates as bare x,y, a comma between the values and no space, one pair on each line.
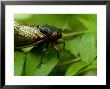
59,41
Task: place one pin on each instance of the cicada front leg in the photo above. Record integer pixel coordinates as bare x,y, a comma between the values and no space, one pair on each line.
59,41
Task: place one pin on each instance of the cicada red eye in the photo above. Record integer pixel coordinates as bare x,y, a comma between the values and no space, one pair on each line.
54,34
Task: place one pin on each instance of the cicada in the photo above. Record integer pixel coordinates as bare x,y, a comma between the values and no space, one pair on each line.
37,35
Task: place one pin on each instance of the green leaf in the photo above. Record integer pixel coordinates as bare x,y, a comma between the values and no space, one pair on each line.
25,50
73,46
87,48
33,60
22,16
46,68
75,68
91,72
19,59
53,19
90,23
48,65
93,65
72,24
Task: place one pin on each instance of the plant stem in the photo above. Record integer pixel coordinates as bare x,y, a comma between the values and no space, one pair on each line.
70,61
74,33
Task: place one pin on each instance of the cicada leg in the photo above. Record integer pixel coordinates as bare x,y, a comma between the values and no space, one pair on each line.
57,50
41,60
43,53
59,41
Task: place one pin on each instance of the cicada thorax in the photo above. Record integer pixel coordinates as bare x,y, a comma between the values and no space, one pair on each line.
25,35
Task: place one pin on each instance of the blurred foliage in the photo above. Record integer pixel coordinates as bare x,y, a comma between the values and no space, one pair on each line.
80,54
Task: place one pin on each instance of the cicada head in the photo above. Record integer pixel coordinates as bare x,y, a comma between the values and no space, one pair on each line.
52,33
